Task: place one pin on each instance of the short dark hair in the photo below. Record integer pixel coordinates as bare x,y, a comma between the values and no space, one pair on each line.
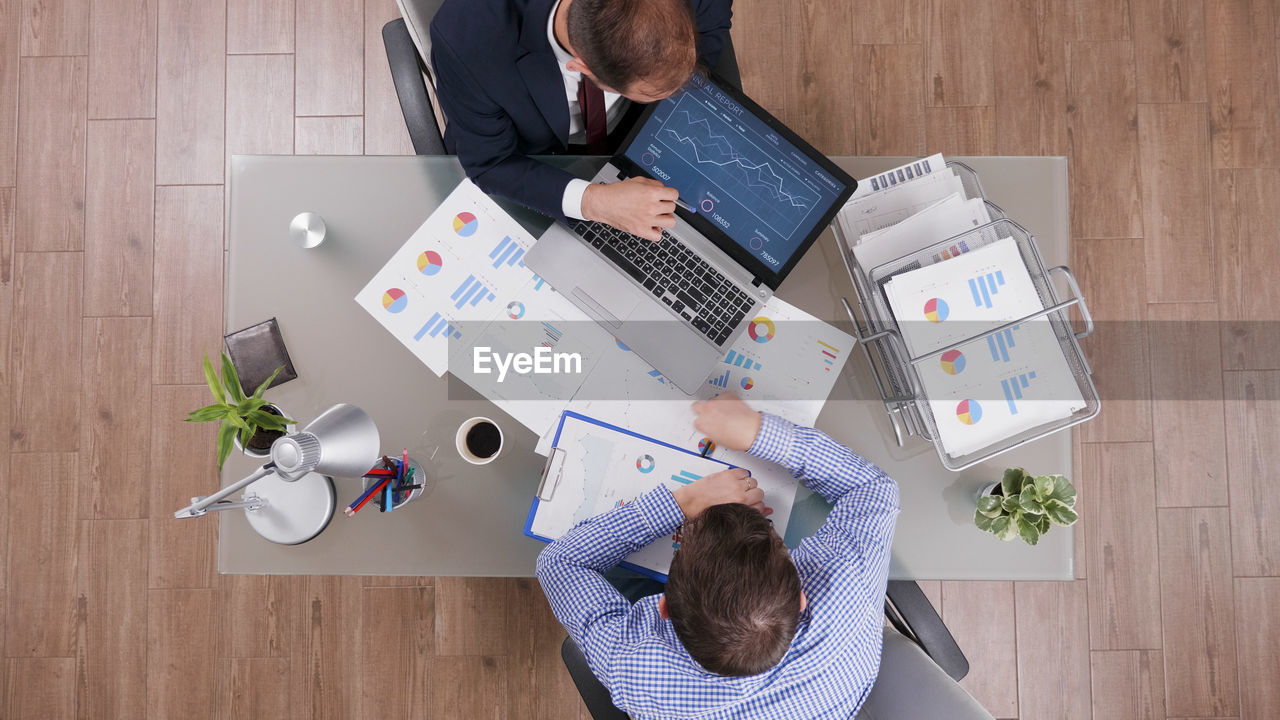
624,41
733,593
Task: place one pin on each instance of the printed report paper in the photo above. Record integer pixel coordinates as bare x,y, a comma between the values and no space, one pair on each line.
987,390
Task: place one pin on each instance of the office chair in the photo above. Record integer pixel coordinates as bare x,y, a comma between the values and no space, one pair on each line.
920,665
408,44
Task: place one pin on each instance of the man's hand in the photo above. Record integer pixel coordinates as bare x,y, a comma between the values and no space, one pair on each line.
727,486
640,206
728,421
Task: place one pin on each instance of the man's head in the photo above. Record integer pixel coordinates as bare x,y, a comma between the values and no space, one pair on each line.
643,49
733,594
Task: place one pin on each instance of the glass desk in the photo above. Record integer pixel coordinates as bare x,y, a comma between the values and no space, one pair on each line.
471,520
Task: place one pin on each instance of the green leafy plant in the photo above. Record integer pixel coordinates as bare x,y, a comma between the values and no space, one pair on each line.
239,415
1026,506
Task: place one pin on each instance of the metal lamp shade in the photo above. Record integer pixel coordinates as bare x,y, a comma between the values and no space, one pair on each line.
343,441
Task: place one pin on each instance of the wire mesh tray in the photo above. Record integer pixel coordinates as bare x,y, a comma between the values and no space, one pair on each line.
887,371
895,370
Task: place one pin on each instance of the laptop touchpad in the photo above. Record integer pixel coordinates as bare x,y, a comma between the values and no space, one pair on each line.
605,314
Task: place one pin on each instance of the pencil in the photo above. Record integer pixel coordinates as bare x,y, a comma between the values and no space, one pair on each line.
354,507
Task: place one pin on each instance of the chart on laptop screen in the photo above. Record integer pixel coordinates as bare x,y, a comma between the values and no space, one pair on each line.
735,170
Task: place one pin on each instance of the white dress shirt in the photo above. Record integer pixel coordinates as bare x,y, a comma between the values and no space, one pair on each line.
571,204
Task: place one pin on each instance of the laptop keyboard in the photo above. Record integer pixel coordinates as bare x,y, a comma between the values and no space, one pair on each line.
675,275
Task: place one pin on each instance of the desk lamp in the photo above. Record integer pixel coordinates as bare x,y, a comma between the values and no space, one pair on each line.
292,499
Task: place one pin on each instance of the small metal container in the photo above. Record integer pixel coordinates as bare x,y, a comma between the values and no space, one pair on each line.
307,230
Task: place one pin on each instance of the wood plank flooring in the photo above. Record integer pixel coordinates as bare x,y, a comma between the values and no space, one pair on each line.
117,120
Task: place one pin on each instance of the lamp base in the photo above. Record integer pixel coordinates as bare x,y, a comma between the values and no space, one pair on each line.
296,511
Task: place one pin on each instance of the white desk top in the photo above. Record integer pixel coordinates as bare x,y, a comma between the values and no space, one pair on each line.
470,523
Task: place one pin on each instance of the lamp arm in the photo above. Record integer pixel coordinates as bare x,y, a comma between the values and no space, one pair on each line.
198,506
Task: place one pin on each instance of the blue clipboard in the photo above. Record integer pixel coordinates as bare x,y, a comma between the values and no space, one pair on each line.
551,478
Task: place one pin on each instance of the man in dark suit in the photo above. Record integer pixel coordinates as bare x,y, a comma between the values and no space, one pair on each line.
538,77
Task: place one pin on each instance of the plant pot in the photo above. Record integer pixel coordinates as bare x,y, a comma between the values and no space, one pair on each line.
989,489
260,443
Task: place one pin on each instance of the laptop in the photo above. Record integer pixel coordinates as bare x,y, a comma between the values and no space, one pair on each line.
755,197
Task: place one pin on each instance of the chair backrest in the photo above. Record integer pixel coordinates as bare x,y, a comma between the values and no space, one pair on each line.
417,16
911,685
594,694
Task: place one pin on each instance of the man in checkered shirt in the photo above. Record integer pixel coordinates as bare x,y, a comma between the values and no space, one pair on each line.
745,628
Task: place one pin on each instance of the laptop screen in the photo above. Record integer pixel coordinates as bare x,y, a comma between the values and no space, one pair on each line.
741,171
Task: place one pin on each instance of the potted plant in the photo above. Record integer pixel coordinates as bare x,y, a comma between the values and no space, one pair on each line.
1025,506
250,422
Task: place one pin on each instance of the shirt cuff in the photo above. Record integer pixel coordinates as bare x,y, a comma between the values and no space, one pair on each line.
660,511
773,442
571,204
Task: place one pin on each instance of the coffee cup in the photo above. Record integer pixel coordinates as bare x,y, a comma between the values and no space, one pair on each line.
479,440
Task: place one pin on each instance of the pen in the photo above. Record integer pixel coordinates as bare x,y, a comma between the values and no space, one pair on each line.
684,205
405,487
707,447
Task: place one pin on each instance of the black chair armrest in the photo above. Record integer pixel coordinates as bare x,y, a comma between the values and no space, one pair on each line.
411,89
594,694
913,615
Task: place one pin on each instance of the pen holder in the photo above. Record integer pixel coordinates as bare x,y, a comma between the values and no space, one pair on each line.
399,499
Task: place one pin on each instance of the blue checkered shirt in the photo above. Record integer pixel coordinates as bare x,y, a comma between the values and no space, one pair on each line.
832,661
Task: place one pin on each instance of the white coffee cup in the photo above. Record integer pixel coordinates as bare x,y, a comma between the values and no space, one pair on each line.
460,440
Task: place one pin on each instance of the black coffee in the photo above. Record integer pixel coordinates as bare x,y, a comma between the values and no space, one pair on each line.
484,440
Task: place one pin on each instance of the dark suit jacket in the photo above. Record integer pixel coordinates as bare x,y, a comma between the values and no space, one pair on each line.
500,87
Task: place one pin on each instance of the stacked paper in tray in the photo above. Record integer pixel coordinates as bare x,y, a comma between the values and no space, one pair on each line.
987,390
907,209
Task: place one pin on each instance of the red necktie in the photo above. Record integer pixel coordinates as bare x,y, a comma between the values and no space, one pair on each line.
594,118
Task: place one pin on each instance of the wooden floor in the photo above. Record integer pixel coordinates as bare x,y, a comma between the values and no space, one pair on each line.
116,121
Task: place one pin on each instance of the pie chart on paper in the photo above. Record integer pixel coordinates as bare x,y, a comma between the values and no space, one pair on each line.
936,310
465,224
761,329
952,362
394,300
969,412
430,262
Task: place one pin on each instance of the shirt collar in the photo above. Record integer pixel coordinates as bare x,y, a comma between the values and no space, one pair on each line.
562,56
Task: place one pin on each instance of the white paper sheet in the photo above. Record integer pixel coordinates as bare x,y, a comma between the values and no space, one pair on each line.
455,268
888,207
944,219
995,388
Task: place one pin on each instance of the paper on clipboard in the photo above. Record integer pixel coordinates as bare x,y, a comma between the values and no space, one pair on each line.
596,467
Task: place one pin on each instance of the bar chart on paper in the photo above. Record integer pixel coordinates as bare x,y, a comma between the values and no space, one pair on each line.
472,292
737,359
684,477
984,287
721,381
507,253
1000,343
1013,388
436,326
